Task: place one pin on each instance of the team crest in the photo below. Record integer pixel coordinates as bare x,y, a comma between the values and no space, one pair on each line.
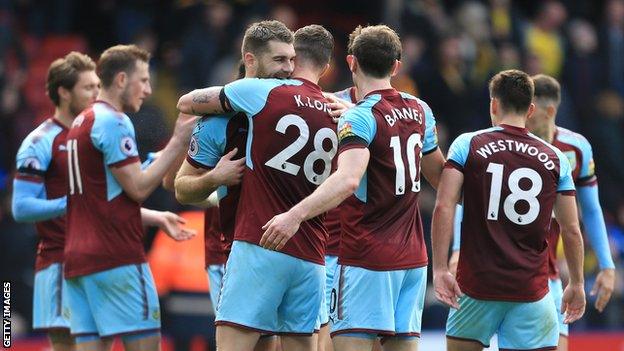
346,130
32,163
571,155
128,147
193,147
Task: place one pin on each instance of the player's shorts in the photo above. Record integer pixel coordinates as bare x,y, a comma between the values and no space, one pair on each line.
331,262
122,300
519,325
382,303
215,277
50,299
556,289
270,292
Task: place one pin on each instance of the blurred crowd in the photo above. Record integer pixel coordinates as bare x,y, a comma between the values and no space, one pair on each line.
450,50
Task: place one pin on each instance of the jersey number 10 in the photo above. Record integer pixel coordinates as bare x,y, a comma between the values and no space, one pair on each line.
414,141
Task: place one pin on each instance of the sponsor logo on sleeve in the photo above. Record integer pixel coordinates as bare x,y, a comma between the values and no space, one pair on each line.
591,168
128,146
193,147
346,130
571,155
32,163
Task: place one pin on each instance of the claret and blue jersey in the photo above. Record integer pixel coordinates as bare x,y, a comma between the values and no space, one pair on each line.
104,227
511,179
382,218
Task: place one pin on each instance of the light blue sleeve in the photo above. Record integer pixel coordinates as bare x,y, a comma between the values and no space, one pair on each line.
459,150
29,203
566,183
430,142
249,95
114,137
457,223
208,140
587,172
594,224
359,122
35,156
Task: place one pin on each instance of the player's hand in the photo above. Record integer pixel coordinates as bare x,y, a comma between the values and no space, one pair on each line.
603,287
446,289
453,262
278,231
573,303
184,128
337,106
173,225
229,171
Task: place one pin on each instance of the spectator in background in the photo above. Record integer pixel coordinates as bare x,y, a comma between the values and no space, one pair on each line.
204,43
605,131
581,76
612,45
543,38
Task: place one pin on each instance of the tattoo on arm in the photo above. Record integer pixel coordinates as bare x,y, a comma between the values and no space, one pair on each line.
206,96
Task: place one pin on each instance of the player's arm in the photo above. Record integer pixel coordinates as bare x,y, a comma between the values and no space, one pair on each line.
593,220
139,184
432,165
449,193
168,182
573,304
454,260
334,190
195,184
170,223
432,161
29,203
204,101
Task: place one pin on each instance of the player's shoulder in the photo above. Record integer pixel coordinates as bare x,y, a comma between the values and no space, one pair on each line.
363,108
546,145
207,125
43,136
346,94
572,138
469,136
262,83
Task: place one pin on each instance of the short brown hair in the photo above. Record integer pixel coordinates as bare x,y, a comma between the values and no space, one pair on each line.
315,44
119,58
513,89
64,72
547,88
376,49
258,35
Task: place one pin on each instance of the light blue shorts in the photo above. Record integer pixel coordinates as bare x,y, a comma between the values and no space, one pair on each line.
270,292
50,310
519,325
556,290
215,277
382,303
122,300
331,262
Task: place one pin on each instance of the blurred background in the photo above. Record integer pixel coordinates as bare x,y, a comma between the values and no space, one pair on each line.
450,50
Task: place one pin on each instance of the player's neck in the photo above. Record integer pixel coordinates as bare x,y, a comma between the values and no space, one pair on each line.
64,116
513,120
307,75
110,98
366,85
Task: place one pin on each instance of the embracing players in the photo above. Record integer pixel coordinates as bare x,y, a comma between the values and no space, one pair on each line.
381,277
290,146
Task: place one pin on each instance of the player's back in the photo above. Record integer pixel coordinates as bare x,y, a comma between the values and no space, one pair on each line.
511,180
579,152
104,227
42,158
381,224
290,146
